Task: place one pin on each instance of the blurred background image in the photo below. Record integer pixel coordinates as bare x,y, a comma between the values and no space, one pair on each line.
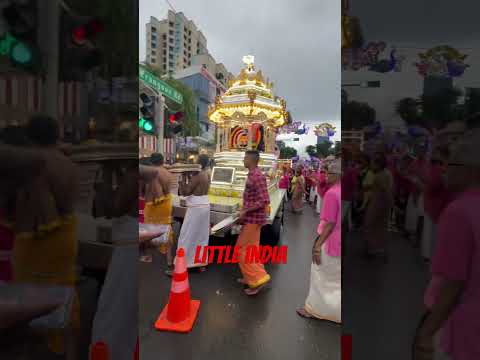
68,104
409,112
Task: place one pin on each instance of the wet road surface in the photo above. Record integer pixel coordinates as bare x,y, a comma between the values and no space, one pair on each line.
382,303
230,324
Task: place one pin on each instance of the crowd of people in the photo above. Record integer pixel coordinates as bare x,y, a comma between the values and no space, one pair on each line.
425,191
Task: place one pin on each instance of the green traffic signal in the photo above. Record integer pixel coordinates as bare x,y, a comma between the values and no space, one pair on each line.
145,125
148,127
19,52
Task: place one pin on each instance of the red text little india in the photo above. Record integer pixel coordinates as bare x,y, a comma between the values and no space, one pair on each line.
231,254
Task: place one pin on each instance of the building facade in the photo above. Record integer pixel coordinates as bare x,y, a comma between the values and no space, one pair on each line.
173,42
206,87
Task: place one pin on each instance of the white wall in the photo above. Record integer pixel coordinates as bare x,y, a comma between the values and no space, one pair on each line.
407,83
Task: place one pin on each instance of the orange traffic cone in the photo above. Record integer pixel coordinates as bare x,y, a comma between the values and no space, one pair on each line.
180,312
99,351
136,355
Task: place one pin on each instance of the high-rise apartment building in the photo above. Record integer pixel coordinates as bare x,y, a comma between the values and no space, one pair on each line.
172,43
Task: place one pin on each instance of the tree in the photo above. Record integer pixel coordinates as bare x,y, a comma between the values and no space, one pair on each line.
432,112
472,102
311,150
440,109
191,127
324,149
337,148
356,115
154,70
407,109
288,152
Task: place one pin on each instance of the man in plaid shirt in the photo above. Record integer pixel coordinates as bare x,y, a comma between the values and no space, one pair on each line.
253,216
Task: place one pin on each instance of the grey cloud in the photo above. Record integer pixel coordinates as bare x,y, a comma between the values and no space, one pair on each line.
296,44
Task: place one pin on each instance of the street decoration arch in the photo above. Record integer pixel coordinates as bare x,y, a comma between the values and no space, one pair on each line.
325,129
442,61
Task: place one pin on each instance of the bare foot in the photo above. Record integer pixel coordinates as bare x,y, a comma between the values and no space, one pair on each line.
303,313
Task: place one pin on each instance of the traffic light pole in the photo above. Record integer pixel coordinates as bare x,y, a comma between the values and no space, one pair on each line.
48,39
159,121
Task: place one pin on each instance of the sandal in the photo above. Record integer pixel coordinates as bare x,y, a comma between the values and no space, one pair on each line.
303,313
254,291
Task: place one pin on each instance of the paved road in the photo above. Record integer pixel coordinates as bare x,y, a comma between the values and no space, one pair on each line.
382,303
232,325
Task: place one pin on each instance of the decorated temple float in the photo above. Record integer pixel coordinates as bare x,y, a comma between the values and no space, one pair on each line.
247,116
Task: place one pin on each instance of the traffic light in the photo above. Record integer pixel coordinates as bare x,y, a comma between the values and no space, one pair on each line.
146,120
174,124
79,53
18,34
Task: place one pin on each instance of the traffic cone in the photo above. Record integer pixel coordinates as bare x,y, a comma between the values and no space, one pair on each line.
136,355
180,312
99,351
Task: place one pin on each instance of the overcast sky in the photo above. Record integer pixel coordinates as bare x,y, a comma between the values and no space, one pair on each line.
296,44
419,23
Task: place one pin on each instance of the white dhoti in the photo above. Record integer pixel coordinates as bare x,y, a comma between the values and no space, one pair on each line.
324,299
195,228
116,319
319,204
313,193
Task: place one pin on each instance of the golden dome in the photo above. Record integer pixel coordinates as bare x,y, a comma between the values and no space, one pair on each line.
249,98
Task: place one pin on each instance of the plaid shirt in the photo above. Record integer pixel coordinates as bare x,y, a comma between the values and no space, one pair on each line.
256,193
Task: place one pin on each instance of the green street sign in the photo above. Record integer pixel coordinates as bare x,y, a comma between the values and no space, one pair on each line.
159,85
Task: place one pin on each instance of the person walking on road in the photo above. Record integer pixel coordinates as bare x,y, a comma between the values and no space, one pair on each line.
196,224
253,216
298,191
378,208
454,293
159,204
324,297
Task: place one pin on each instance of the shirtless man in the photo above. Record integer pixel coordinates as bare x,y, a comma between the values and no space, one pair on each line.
196,224
198,184
159,202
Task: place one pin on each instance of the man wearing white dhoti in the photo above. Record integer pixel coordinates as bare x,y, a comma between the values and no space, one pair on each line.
324,297
196,224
